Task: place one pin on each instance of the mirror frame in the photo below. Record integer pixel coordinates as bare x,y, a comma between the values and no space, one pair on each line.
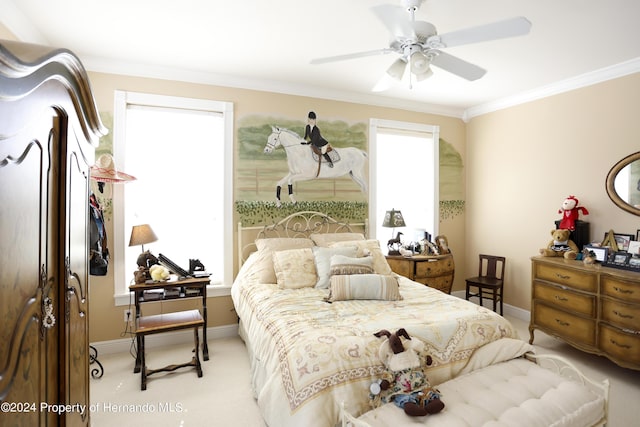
611,176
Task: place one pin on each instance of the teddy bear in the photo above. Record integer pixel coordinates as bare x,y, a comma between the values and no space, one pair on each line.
570,213
405,382
561,245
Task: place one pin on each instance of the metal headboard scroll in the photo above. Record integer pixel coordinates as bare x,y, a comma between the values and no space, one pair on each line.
299,224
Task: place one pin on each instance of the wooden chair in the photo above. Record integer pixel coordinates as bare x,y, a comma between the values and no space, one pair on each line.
489,281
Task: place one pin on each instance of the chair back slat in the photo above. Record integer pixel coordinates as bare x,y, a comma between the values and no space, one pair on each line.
490,265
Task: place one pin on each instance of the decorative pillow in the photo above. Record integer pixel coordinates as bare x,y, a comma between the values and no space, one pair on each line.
372,247
323,262
364,287
326,239
343,265
264,265
295,268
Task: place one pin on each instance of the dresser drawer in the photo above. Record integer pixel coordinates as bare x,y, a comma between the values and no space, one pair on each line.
621,314
570,327
402,267
442,283
583,280
565,299
617,288
620,345
443,267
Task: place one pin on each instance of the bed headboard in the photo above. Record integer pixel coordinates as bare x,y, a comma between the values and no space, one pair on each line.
299,224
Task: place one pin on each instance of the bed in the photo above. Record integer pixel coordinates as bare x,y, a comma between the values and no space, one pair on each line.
311,345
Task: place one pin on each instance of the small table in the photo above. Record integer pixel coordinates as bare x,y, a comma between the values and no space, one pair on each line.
435,271
170,290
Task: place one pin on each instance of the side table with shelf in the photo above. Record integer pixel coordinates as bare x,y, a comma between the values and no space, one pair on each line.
435,271
189,319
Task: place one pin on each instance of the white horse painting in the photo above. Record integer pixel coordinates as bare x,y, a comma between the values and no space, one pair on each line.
302,166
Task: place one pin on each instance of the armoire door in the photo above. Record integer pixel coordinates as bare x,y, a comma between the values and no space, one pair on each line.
75,220
31,282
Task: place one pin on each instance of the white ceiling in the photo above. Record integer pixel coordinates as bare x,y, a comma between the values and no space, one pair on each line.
267,45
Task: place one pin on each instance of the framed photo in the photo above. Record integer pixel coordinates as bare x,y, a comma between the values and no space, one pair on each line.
602,253
634,247
634,262
621,258
622,240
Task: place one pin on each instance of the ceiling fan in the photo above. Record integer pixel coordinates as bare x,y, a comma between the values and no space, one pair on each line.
419,44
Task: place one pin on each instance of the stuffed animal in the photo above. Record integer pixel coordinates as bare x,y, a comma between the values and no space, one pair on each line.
570,213
561,245
158,272
140,276
404,382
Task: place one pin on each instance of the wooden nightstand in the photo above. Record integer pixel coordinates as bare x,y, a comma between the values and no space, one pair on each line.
435,271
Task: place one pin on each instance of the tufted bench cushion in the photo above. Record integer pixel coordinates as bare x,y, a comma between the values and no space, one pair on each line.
517,392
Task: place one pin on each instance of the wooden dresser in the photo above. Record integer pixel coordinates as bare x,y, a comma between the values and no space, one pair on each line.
434,271
595,309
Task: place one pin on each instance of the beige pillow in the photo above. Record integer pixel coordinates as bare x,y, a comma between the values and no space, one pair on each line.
295,268
369,247
266,248
364,287
326,239
346,265
323,262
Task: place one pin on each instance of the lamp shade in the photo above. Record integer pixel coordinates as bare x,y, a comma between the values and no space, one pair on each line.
141,235
393,219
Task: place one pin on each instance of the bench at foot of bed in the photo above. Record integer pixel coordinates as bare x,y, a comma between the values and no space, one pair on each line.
549,392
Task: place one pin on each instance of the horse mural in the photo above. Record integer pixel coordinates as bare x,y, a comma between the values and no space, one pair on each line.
302,166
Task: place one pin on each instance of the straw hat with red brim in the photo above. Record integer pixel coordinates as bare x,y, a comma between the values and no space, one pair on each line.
105,171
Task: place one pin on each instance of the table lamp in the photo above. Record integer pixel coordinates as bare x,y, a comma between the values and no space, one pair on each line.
141,234
393,219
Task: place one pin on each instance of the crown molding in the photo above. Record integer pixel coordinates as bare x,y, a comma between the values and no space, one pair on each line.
608,73
102,65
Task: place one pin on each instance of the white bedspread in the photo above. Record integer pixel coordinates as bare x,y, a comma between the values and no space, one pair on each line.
308,355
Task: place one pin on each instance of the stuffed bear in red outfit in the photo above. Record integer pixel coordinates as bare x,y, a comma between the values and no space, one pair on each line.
570,213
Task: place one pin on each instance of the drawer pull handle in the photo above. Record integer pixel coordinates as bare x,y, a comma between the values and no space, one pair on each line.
623,291
559,298
562,323
562,276
625,346
624,316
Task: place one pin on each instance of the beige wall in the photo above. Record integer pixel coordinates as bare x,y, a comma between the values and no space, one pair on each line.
523,161
107,319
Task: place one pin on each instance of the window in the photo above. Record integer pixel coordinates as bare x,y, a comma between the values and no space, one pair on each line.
180,151
405,164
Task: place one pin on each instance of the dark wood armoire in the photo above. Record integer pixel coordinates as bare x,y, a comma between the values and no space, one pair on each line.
49,128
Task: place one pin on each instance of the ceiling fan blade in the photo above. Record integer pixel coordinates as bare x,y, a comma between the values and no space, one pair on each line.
395,19
513,27
457,66
351,56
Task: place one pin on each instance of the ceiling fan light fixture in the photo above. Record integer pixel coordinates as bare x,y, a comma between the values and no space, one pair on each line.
419,63
396,70
425,75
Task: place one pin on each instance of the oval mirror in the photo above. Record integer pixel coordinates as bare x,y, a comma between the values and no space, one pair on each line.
623,184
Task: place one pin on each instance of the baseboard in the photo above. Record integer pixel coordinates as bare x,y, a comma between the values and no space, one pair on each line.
169,338
517,312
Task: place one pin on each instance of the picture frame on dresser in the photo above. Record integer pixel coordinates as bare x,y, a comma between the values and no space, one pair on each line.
621,258
622,240
602,252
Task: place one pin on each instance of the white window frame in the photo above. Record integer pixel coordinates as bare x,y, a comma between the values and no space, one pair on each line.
124,98
374,125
